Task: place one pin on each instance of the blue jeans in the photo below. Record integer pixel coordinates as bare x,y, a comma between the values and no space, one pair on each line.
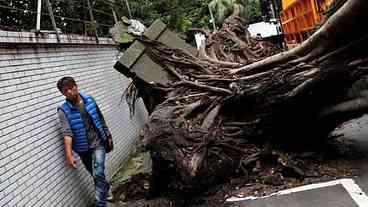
94,162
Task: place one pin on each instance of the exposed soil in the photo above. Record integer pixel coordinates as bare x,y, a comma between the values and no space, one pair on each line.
336,159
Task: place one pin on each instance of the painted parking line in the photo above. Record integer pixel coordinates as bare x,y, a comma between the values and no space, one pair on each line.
353,189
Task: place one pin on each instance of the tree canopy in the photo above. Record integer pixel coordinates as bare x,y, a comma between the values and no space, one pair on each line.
71,16
181,15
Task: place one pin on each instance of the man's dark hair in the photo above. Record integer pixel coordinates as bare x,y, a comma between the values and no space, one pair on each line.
65,81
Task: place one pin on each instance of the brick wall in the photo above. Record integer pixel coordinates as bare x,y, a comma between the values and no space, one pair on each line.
33,170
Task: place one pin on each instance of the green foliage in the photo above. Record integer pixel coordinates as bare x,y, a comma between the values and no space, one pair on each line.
90,29
221,9
250,9
16,15
71,16
126,38
253,11
180,15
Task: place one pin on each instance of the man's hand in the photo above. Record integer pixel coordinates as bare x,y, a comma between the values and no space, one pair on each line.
71,162
68,152
110,144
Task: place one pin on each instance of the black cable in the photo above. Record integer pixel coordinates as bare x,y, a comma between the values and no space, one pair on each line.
17,9
60,17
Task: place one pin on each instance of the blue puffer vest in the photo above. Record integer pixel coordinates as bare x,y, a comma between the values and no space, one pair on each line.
80,140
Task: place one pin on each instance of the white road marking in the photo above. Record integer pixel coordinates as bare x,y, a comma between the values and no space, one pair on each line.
355,192
360,198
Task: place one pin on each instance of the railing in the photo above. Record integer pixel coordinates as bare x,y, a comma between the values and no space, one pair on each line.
83,17
300,17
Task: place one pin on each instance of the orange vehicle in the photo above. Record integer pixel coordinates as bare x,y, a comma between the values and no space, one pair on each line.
300,17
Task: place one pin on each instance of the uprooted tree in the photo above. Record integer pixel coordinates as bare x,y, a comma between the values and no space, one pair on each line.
222,106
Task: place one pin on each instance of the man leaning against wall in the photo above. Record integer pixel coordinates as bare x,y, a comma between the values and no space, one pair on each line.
85,132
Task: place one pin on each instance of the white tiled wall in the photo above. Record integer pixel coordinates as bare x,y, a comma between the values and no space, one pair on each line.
33,170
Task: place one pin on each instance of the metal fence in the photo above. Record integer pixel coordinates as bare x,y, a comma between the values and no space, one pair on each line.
83,17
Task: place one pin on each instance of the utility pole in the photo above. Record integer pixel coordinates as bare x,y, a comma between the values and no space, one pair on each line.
276,15
92,18
49,7
128,7
38,23
212,18
114,15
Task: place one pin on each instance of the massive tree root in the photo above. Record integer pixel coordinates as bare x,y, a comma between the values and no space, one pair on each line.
217,120
232,46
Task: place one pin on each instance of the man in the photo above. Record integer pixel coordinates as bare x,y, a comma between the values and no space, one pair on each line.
85,132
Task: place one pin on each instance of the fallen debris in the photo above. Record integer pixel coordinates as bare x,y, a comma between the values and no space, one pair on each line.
134,180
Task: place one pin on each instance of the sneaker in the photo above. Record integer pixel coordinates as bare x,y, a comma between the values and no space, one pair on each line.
110,197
